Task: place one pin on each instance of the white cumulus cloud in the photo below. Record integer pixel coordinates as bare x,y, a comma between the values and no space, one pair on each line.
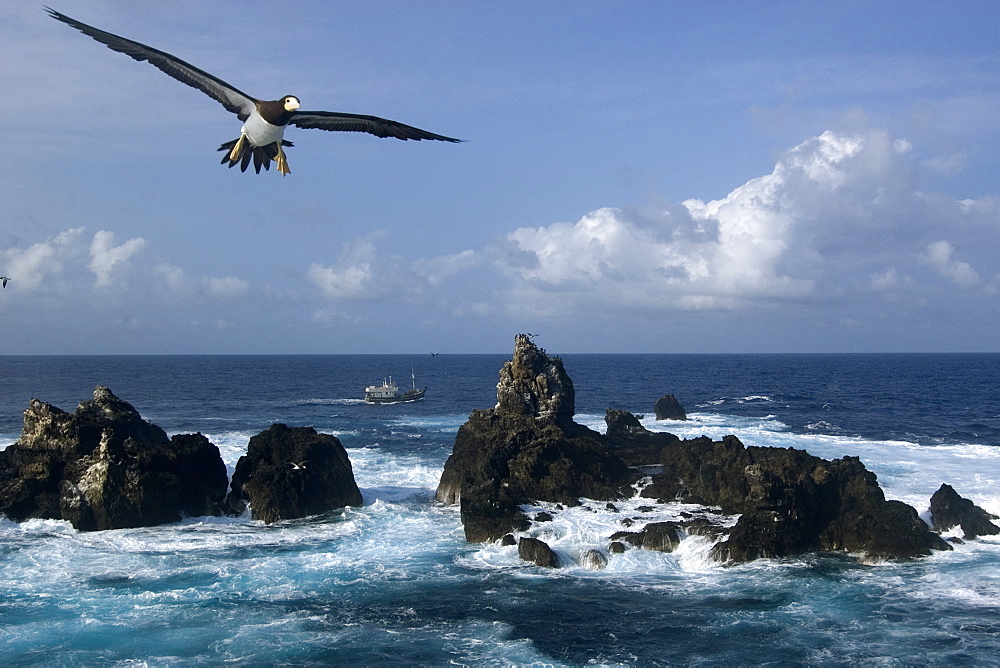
177,283
359,273
59,263
105,257
939,256
32,267
835,212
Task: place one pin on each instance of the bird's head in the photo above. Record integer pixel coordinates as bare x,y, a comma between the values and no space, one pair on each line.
290,102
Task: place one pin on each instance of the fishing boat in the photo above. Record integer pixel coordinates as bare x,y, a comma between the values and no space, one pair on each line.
388,392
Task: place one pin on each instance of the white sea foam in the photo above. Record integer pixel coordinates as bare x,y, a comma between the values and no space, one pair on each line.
906,471
821,425
330,402
249,591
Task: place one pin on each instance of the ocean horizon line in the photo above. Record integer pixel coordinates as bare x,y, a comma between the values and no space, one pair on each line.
507,354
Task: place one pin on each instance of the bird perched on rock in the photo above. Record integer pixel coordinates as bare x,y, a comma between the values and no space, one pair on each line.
262,136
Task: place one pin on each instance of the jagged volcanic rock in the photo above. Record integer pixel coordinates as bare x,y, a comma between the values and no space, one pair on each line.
526,449
668,408
948,510
791,502
104,467
292,472
532,384
636,445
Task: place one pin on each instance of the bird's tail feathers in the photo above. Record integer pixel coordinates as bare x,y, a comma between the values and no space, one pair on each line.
261,155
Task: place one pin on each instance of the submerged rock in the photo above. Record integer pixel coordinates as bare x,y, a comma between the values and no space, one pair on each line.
659,536
292,472
594,560
104,467
948,510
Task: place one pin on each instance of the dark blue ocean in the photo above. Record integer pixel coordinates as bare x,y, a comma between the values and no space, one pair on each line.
394,582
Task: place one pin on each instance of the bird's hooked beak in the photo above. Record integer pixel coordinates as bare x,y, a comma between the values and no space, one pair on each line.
291,103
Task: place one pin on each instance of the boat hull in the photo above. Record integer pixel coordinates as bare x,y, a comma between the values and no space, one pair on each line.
410,395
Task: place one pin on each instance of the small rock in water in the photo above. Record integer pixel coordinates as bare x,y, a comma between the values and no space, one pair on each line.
668,408
273,480
594,560
537,552
948,510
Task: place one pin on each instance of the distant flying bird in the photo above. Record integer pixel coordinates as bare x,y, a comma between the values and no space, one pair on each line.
435,354
4,280
262,136
298,467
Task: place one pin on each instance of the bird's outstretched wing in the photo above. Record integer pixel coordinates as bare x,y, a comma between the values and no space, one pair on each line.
231,98
380,127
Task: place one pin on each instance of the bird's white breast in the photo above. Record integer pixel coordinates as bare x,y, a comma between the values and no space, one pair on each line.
260,132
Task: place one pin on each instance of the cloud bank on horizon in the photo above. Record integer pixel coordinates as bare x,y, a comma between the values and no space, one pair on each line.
842,217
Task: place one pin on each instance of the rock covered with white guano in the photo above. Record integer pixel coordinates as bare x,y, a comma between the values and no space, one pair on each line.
533,384
527,448
104,467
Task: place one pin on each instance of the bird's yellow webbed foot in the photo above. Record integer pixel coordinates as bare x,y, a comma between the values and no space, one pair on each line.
234,155
282,163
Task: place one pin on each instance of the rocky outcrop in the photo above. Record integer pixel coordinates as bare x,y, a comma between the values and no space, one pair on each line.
668,408
534,385
537,552
791,502
526,449
628,439
659,536
104,467
949,510
292,472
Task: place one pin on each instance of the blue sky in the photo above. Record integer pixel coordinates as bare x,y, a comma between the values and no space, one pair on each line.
637,177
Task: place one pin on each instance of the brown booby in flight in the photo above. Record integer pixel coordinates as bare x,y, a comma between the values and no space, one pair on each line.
264,122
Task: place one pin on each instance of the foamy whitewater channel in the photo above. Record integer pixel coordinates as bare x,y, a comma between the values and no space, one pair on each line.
394,582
